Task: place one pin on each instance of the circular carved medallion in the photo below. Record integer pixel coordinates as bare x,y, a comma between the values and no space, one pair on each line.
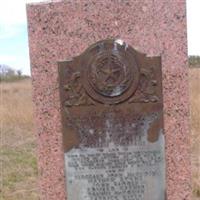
112,74
109,75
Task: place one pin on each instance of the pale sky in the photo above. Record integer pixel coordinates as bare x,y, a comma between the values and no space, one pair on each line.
14,39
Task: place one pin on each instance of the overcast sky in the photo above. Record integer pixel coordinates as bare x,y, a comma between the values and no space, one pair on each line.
14,41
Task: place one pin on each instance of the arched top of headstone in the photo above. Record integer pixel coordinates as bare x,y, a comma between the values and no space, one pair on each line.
109,72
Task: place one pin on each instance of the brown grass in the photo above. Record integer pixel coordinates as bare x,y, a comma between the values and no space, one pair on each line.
16,107
195,127
19,169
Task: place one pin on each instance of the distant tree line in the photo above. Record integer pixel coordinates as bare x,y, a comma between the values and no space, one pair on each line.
9,74
194,61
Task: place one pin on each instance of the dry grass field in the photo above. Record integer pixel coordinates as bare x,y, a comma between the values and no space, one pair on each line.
18,158
195,128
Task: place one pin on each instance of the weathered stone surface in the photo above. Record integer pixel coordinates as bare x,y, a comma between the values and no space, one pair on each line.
60,30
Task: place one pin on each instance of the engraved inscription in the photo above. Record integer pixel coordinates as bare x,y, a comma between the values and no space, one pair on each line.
115,160
118,173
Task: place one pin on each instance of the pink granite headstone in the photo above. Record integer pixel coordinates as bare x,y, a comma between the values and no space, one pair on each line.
60,30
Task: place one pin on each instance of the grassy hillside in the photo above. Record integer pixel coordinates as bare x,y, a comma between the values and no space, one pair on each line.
18,144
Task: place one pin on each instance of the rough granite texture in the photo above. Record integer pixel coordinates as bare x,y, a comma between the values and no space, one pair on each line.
62,29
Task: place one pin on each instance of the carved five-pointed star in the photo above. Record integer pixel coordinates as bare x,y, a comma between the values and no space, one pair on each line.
110,72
